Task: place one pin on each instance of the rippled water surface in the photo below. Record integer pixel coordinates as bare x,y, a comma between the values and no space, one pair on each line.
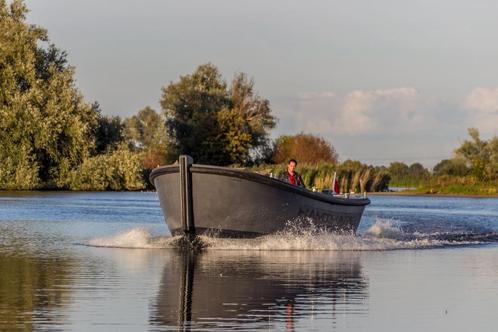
106,262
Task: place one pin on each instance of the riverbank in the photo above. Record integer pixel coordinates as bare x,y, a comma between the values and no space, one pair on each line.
453,186
420,194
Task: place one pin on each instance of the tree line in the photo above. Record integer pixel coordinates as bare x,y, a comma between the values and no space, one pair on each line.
52,138
473,169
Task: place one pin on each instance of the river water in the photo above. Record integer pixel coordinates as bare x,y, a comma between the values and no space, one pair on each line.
105,262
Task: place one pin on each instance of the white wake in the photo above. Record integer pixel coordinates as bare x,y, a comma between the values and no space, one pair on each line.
382,235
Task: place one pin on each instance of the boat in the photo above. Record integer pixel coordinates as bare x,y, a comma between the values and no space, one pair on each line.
227,202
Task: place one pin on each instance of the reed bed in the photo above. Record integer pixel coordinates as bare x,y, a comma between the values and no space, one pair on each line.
353,177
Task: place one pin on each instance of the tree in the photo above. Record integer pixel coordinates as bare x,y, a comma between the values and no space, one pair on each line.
452,167
474,153
418,172
244,126
45,125
212,122
481,156
492,167
399,172
108,133
305,148
191,107
146,132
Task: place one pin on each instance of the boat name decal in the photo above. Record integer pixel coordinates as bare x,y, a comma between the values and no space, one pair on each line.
320,215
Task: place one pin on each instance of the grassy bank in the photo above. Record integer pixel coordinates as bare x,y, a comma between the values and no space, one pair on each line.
455,185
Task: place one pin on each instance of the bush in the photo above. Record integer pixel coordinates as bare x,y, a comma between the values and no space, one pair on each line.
454,167
117,170
18,171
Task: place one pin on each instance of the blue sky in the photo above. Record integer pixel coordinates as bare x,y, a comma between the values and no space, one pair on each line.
382,80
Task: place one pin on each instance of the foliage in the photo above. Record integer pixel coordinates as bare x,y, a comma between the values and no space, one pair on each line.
357,177
460,185
305,148
473,170
452,167
481,156
45,125
120,169
18,171
108,133
214,123
245,124
153,158
399,171
403,175
146,130
191,107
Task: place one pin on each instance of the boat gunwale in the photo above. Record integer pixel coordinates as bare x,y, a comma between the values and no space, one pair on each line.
262,179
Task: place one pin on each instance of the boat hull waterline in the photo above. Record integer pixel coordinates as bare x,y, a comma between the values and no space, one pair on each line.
227,202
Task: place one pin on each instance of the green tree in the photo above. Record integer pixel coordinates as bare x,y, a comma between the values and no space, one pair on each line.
214,123
146,130
244,126
399,173
45,125
478,155
418,173
191,106
492,167
108,133
282,149
351,165
452,167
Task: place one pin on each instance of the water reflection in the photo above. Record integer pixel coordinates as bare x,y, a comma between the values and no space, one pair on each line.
32,292
248,291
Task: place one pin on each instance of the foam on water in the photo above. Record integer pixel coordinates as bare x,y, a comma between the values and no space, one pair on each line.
138,237
382,235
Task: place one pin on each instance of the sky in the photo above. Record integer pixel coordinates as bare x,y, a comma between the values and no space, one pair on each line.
382,81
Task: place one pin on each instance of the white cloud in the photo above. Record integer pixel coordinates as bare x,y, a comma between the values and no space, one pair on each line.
378,126
483,99
482,106
361,112
365,112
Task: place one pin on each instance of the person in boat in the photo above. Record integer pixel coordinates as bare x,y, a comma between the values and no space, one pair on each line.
291,176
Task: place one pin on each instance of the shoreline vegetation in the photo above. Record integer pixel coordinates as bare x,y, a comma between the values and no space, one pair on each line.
420,194
53,139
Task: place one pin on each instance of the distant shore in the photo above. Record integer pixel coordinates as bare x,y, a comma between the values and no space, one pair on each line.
386,193
411,193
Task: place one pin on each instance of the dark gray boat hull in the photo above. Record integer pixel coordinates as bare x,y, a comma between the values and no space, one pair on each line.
233,203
